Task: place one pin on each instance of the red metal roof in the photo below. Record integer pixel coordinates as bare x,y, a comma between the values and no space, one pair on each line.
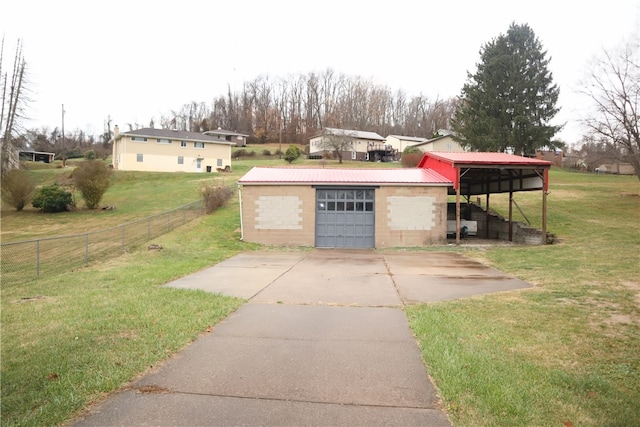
414,176
480,158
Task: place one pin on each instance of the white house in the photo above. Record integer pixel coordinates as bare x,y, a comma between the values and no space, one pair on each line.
164,150
362,142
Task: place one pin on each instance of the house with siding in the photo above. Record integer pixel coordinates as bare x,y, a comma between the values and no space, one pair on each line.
360,144
239,139
443,142
165,150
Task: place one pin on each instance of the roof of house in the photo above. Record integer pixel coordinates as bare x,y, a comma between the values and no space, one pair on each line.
331,176
409,138
176,134
360,134
224,132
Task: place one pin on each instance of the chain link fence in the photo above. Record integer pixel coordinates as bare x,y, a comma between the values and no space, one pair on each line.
25,261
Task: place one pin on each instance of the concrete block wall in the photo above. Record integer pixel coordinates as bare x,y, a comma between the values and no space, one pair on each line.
410,216
498,225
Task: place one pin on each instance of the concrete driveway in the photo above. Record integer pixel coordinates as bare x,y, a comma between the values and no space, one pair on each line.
350,278
323,340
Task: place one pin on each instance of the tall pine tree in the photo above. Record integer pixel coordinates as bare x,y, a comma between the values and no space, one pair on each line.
510,100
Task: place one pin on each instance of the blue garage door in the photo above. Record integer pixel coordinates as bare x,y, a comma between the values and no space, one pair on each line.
345,218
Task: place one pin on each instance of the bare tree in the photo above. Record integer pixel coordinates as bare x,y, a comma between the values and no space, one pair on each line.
614,87
338,141
13,101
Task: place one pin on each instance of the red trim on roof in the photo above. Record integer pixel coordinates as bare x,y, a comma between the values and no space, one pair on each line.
482,158
265,175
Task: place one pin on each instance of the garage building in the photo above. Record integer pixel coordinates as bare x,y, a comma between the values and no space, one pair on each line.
344,208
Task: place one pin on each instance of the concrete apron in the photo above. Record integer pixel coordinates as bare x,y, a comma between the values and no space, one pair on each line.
322,341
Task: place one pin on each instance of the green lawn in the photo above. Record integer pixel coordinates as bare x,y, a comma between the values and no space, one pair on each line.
565,351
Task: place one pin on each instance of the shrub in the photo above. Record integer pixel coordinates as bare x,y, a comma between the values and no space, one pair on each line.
411,157
292,153
17,188
278,152
239,153
52,198
266,152
92,178
215,197
90,155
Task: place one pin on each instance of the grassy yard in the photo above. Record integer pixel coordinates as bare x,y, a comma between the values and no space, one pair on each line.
563,352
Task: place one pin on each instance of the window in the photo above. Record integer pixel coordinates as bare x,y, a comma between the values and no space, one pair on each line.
198,145
139,157
219,163
345,200
354,155
139,139
164,141
183,144
180,160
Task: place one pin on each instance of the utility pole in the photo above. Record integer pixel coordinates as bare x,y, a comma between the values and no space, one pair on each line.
64,156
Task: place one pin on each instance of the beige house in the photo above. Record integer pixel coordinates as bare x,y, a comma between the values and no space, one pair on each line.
164,150
400,142
444,143
358,143
343,208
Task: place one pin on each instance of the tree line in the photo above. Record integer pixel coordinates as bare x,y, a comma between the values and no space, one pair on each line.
297,107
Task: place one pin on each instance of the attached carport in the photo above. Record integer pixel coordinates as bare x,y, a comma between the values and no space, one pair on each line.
478,173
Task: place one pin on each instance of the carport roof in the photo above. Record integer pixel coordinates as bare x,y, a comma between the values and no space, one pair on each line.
475,173
330,176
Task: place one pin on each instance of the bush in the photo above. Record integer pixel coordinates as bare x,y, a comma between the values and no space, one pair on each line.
92,178
52,198
215,197
90,155
292,153
17,188
278,152
239,153
411,156
266,152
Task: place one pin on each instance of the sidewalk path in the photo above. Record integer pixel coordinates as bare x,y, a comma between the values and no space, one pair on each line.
322,341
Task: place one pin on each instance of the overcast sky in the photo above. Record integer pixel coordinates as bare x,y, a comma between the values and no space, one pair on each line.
136,60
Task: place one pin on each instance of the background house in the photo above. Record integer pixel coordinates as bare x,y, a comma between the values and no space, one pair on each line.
239,139
400,142
443,142
357,147
164,150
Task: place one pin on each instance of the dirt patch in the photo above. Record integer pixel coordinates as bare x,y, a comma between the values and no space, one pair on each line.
29,299
151,389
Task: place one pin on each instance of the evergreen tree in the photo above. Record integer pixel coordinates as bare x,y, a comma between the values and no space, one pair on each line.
510,100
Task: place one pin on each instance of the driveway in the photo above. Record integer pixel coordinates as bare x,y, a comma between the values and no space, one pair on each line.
323,340
350,278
